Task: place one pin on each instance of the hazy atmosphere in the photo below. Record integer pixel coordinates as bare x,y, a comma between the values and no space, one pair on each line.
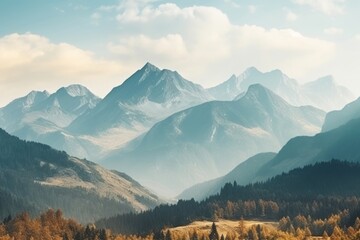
48,44
181,120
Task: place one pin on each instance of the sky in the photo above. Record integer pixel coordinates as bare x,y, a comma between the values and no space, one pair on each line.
45,45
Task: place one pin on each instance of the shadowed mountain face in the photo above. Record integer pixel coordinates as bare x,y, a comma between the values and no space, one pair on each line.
339,143
208,140
300,151
338,118
323,93
242,174
37,177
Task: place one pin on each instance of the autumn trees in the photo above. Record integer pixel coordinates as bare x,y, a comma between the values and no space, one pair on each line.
50,225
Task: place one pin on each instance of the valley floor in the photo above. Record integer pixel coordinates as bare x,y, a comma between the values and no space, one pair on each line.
223,226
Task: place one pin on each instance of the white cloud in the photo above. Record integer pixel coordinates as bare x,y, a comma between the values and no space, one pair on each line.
202,43
33,62
333,31
329,7
171,46
290,15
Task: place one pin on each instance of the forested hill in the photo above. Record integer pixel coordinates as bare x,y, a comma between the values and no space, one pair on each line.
335,178
317,190
35,177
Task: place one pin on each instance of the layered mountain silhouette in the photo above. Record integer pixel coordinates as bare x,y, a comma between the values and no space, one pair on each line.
208,140
339,143
243,173
59,108
323,93
337,118
43,117
158,121
36,177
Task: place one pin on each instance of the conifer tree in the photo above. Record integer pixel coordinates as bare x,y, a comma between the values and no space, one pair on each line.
168,235
214,235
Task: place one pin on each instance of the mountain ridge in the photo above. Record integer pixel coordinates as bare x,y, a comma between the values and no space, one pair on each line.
39,175
299,151
323,93
203,135
145,97
340,117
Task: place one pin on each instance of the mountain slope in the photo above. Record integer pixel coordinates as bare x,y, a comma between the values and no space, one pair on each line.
326,94
318,191
275,80
12,114
338,143
59,108
337,118
242,174
45,178
208,140
145,97
42,117
227,90
323,93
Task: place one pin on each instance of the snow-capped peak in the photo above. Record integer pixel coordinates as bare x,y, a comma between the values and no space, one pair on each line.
148,67
76,90
34,97
159,86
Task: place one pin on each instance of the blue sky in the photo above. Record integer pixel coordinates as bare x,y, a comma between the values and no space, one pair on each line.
48,44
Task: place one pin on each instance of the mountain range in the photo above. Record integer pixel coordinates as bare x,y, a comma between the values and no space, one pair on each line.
43,117
147,96
75,120
338,143
208,140
323,93
158,121
35,177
